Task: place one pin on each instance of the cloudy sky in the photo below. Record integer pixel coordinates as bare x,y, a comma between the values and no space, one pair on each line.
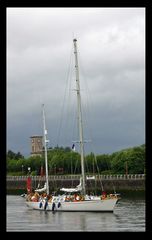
40,69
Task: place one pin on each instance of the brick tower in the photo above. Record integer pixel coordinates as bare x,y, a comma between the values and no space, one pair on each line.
36,145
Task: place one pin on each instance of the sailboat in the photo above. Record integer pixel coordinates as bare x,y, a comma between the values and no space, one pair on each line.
73,199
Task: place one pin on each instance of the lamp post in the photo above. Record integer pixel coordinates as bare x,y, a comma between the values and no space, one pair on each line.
29,170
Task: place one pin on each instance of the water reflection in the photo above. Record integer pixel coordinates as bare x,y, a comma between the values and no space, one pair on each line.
129,215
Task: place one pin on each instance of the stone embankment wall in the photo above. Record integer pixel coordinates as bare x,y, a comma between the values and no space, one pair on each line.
108,182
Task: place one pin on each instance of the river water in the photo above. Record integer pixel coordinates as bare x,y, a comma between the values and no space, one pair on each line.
128,216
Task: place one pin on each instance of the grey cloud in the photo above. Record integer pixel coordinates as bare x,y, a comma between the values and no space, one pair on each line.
111,48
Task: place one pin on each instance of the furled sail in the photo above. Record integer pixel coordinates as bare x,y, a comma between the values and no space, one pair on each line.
77,189
39,190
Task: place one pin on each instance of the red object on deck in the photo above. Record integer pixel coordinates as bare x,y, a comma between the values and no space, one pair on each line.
29,185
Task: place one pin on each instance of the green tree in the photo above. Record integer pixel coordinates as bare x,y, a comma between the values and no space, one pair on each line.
11,154
133,158
103,162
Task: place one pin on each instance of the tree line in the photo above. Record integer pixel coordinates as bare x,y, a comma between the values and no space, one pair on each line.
65,161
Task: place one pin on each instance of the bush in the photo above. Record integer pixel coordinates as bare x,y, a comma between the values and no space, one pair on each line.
15,174
33,173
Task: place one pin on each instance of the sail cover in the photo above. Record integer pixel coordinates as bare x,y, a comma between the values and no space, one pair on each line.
70,189
77,189
41,189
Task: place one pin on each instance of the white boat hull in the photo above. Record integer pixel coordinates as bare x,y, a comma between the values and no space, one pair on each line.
80,206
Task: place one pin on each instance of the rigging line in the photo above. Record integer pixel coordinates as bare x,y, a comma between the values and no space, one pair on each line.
88,97
83,110
72,137
98,173
78,158
87,106
114,188
63,102
74,128
87,167
70,111
73,165
85,123
70,108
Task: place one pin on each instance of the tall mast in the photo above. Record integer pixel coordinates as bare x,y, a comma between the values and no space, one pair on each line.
79,116
45,148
